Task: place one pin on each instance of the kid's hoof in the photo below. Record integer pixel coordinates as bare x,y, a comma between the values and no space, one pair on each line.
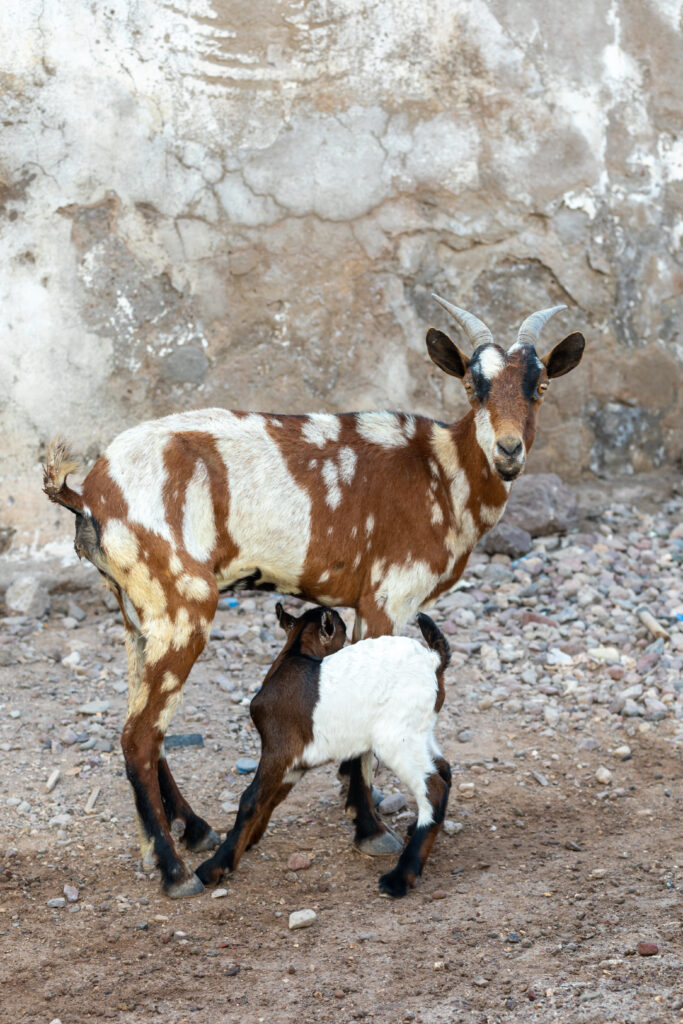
392,884
377,797
382,845
209,873
192,886
208,842
149,861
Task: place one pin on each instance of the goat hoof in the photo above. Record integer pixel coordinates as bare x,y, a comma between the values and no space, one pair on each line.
383,845
149,861
377,797
393,884
208,842
209,873
191,886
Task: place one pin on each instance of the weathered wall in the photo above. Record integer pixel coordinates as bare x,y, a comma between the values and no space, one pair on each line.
248,204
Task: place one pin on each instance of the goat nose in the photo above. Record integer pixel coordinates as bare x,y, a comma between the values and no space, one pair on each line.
510,447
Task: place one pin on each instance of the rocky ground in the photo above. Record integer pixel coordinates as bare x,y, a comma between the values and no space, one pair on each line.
553,895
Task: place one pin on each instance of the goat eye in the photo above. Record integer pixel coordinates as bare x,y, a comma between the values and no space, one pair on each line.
542,387
469,387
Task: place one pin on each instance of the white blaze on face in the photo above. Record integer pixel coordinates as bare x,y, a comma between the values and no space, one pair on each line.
490,362
270,514
199,525
486,436
320,428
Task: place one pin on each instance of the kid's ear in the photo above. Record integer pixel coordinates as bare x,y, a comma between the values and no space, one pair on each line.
446,354
565,356
285,620
327,626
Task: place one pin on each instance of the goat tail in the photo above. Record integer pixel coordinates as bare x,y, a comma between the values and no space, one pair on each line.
59,462
435,640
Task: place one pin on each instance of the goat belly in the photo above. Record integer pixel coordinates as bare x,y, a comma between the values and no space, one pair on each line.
368,692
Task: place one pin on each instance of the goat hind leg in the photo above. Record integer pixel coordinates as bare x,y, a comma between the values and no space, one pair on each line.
197,834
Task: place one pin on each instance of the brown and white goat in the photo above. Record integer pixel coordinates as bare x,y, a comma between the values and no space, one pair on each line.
320,702
378,511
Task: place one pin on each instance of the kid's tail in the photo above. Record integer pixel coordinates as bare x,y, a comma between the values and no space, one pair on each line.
435,640
59,462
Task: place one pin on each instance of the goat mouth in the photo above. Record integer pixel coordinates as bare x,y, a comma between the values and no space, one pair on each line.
509,473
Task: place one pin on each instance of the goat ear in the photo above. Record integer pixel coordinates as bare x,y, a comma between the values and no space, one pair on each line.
327,626
446,354
565,356
285,620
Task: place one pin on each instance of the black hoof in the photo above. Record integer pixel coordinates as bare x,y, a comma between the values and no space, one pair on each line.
209,841
383,844
393,884
209,873
191,886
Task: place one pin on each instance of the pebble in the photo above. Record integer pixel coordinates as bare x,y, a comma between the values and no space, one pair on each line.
53,780
72,659
298,862
71,893
301,919
464,735
647,948
452,828
246,765
392,804
480,982
56,901
623,752
466,790
603,775
218,894
94,707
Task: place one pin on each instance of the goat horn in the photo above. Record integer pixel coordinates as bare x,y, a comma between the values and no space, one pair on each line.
533,325
477,332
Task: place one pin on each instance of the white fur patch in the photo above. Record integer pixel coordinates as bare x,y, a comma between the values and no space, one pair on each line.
486,436
490,362
136,465
347,464
120,544
437,514
199,525
330,475
370,523
320,428
402,589
382,428
490,514
270,514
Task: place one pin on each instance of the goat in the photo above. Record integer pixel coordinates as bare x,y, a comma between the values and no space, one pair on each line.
377,511
321,701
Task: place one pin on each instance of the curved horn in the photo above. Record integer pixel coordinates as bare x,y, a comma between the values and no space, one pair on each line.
477,332
533,325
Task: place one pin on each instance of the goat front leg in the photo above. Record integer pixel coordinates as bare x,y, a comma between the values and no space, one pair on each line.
269,787
372,837
150,708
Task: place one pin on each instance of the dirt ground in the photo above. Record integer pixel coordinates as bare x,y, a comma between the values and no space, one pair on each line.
532,911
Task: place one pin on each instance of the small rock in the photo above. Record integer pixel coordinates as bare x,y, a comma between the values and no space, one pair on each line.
27,596
392,804
551,713
94,707
603,775
506,539
624,752
452,828
647,948
604,653
466,790
75,611
298,862
71,893
72,659
464,736
245,766
60,821
480,982
56,902
439,894
188,739
301,919
53,780
218,894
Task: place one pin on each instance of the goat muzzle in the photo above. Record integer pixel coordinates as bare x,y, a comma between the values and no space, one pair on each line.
509,457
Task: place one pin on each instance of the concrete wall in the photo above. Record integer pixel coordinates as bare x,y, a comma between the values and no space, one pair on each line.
248,203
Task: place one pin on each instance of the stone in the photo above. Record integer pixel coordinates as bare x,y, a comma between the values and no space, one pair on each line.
647,948
94,707
56,902
188,739
541,504
603,775
507,539
27,596
623,752
298,862
218,894
551,714
75,611
72,659
655,710
466,790
246,765
53,780
392,804
452,828
464,736
301,919
71,893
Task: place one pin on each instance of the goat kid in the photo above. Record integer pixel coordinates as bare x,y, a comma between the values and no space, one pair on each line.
377,511
321,701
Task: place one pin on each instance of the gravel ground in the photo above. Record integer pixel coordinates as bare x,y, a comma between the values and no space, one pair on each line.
564,724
